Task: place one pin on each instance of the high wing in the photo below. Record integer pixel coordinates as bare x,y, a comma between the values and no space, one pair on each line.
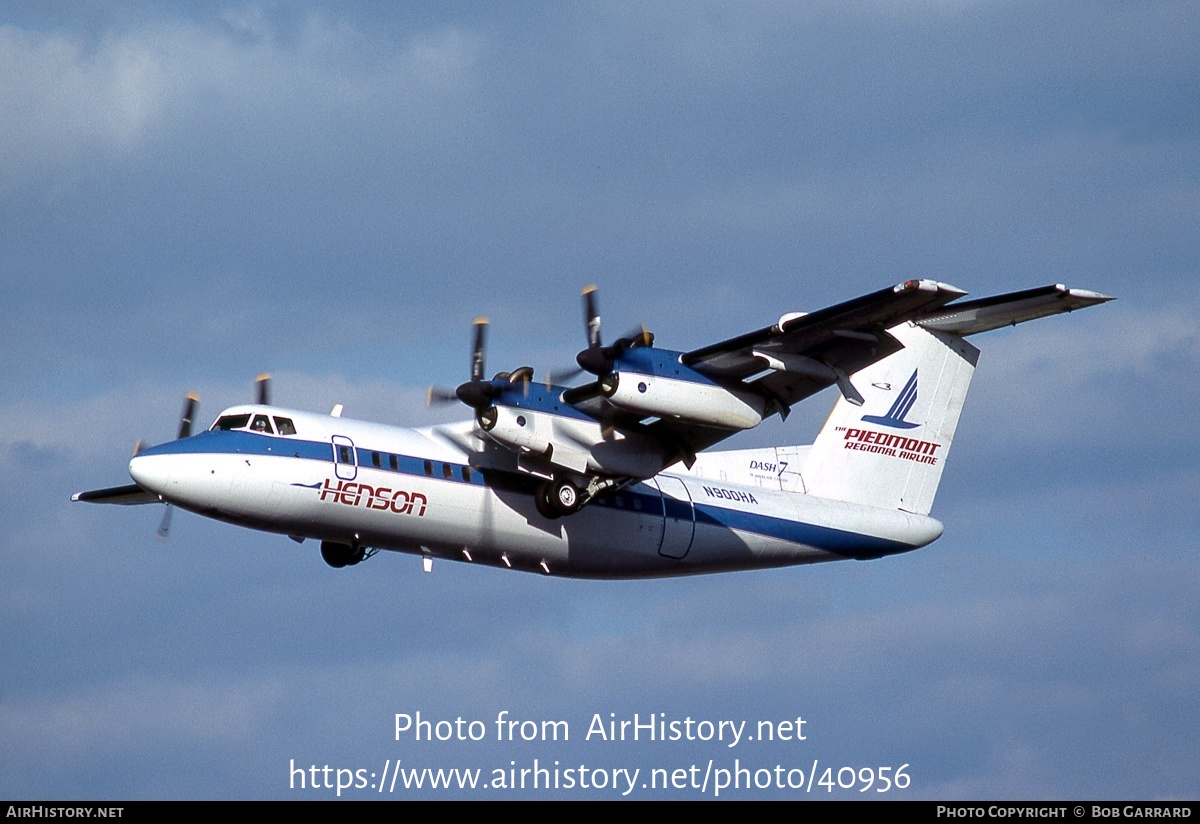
651,407
804,353
974,316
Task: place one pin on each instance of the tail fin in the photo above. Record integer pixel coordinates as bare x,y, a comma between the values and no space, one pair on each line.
890,451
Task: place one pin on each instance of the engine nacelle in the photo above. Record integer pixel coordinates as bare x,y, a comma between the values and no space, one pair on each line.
581,446
703,403
517,429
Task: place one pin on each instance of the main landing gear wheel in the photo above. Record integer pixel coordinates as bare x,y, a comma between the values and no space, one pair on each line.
557,498
543,502
566,496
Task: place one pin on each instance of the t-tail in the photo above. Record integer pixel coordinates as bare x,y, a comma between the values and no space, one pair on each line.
890,451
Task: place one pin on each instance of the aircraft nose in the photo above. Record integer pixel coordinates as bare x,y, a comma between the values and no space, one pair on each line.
150,472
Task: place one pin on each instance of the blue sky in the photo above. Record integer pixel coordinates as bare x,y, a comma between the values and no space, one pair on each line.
194,193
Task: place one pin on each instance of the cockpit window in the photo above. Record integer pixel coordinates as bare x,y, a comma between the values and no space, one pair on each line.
262,424
285,426
227,422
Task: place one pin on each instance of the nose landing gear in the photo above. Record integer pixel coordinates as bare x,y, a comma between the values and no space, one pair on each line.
343,555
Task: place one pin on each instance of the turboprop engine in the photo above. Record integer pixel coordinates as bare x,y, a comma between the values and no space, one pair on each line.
580,446
637,378
702,403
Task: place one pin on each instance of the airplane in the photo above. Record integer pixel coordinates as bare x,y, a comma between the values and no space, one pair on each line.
613,477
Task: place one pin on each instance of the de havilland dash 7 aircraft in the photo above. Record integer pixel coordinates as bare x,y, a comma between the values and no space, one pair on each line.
610,478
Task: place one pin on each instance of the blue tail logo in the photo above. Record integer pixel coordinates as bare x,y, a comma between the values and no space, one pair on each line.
904,403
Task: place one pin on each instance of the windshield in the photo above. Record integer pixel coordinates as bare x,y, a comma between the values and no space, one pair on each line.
231,422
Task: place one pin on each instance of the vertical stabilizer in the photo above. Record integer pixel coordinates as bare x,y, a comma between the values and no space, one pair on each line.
889,452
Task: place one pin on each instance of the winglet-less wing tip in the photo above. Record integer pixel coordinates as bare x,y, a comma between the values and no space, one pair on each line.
1086,295
975,316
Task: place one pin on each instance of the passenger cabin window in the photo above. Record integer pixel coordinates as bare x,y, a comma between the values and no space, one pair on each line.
376,460
284,426
227,422
262,424
393,462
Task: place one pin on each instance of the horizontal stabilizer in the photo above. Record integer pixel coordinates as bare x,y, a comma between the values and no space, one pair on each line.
975,316
127,495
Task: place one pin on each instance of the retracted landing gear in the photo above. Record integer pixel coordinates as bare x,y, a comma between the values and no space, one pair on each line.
343,555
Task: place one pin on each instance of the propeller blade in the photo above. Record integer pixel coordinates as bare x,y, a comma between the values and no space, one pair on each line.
439,394
137,447
263,383
598,358
164,527
557,377
189,409
639,335
477,349
591,317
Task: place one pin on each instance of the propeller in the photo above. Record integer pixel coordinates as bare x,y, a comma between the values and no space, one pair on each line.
185,420
164,526
597,358
477,346
591,327
185,429
591,316
190,401
478,393
441,394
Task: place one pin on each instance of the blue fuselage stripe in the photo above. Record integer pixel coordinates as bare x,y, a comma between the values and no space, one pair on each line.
638,498
850,544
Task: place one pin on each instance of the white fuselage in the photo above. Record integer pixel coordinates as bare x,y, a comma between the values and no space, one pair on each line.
434,492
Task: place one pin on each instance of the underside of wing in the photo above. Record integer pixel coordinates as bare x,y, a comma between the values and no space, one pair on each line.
974,316
127,495
803,354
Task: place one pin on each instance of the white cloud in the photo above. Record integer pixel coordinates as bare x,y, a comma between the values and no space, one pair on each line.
58,96
64,96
